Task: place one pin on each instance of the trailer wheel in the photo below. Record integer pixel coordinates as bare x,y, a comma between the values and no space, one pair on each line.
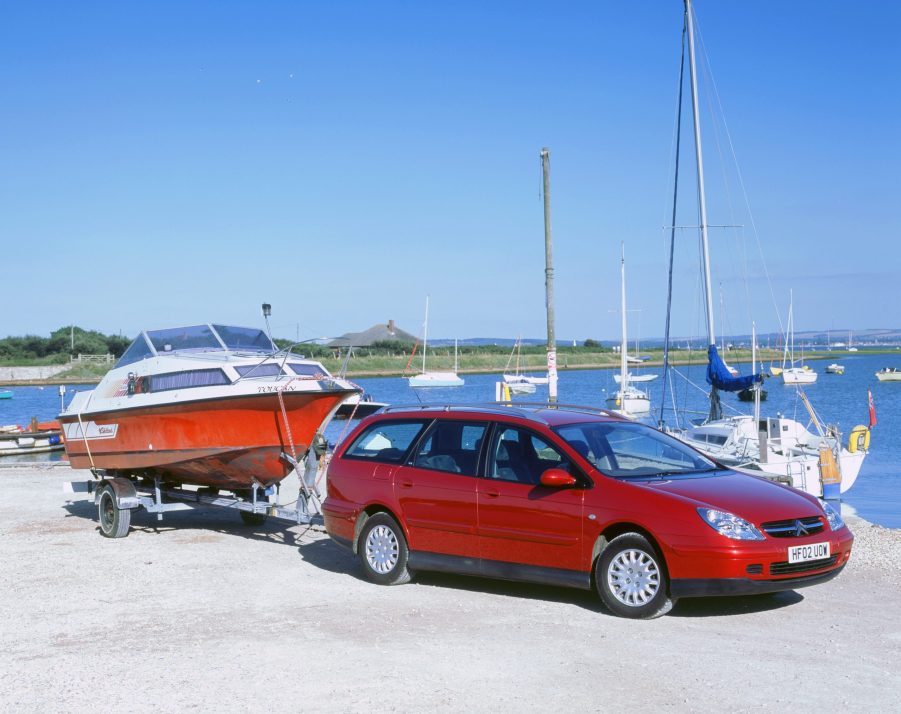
114,521
252,519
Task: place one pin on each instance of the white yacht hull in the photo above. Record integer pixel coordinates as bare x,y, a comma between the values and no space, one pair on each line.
435,379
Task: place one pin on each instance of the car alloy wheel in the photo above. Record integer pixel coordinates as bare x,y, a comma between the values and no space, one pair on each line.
633,577
382,549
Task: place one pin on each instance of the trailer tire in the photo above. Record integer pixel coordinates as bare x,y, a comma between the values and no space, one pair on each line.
252,519
114,521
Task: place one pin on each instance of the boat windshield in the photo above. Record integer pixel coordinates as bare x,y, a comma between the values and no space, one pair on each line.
204,338
195,337
627,450
244,338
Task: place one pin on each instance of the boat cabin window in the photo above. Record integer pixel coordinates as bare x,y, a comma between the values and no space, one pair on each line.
259,370
184,380
195,337
244,338
308,369
137,350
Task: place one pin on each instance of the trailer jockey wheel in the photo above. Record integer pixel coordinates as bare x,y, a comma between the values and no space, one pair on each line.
114,521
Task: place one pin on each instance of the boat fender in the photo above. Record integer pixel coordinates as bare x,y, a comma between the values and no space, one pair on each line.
859,439
126,494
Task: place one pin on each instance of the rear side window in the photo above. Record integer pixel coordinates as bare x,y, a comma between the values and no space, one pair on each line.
451,446
385,441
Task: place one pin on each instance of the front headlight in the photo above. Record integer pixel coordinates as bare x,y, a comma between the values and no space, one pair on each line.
833,516
729,525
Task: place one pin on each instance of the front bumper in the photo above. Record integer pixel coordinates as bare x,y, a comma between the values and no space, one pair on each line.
711,587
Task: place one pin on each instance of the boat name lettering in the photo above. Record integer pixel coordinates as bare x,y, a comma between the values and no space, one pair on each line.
92,430
273,388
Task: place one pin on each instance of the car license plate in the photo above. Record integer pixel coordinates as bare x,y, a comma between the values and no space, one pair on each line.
812,551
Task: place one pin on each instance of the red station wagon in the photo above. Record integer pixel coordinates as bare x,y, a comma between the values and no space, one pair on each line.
572,497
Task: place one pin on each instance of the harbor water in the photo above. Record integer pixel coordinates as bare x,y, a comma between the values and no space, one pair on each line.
837,399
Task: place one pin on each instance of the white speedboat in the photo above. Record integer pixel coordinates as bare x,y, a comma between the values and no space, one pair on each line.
835,368
798,375
209,405
889,374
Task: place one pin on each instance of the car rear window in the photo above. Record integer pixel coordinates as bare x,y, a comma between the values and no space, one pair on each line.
451,446
385,441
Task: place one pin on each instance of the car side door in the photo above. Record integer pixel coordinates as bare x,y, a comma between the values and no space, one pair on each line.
519,520
436,491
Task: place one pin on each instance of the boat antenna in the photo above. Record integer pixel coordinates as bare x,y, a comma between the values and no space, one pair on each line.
267,311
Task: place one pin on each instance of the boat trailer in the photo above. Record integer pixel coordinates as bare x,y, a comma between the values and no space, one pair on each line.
116,496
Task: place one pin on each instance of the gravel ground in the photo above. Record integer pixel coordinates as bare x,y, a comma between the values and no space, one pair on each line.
200,613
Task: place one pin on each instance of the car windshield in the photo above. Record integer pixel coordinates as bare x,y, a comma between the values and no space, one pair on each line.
627,450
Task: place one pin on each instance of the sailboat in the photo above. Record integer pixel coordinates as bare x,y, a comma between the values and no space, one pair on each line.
774,447
636,377
792,374
434,379
517,382
627,400
756,393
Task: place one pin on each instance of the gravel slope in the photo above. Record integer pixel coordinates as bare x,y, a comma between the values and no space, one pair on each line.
200,613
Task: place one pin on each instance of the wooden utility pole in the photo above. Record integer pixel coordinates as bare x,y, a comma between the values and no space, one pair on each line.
549,278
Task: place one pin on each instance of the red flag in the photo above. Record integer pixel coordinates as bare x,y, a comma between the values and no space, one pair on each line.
872,406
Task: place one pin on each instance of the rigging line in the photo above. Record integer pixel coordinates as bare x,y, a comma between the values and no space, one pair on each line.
672,241
741,183
721,114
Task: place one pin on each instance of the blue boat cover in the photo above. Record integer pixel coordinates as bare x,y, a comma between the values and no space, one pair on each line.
718,374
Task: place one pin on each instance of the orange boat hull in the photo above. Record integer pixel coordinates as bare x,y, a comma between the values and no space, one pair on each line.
227,443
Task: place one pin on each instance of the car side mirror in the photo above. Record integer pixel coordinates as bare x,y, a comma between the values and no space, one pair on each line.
557,478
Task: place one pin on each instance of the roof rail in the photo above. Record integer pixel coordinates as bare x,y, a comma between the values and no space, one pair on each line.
522,408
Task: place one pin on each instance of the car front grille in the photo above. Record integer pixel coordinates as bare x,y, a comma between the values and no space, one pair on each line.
786,568
794,527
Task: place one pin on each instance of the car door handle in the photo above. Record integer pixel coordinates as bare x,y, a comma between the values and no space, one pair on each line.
406,483
492,493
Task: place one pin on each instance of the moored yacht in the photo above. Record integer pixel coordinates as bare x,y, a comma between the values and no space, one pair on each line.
209,405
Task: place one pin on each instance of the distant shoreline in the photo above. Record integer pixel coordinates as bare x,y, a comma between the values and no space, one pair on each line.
565,362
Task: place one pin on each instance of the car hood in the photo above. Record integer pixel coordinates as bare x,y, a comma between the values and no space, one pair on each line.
753,498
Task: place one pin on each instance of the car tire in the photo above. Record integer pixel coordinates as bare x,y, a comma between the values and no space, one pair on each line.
631,578
383,552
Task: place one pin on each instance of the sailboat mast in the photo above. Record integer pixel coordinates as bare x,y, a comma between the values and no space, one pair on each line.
702,201
623,380
754,371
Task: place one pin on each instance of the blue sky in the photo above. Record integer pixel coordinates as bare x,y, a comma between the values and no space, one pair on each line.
168,163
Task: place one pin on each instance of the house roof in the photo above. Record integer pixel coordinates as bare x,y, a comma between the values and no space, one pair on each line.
377,333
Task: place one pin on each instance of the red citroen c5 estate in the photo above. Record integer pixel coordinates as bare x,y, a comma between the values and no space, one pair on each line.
572,497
